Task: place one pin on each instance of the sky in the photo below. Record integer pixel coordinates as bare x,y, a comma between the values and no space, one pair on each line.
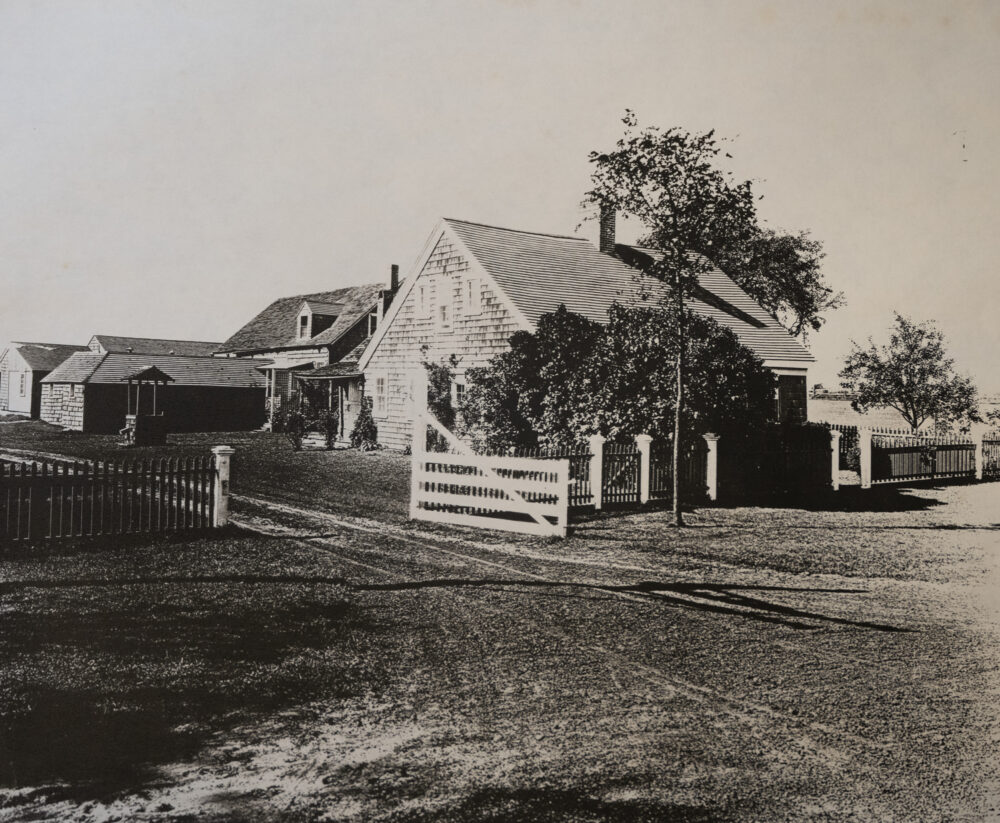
168,168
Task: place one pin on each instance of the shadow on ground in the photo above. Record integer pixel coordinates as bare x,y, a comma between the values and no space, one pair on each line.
723,599
551,805
104,681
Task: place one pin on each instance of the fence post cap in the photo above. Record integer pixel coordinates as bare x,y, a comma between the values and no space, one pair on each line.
643,438
223,450
597,438
710,436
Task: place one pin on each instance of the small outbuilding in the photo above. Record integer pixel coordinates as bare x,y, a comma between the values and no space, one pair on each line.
22,367
93,393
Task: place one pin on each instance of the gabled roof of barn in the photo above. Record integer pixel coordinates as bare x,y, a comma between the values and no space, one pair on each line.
228,372
45,356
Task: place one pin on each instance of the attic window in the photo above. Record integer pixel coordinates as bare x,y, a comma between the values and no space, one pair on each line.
303,326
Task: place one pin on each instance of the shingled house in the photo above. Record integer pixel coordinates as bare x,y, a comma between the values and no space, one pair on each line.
22,367
89,392
318,337
473,286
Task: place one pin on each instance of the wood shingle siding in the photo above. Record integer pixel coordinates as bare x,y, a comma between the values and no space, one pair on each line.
417,335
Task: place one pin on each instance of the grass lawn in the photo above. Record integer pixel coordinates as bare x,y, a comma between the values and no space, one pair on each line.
373,484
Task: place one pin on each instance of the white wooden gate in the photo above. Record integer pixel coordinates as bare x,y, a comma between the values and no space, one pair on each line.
517,494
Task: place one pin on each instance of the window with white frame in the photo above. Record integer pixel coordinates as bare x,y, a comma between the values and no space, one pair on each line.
303,326
423,300
473,297
381,398
23,383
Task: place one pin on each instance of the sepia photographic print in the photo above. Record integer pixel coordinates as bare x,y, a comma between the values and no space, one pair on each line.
510,410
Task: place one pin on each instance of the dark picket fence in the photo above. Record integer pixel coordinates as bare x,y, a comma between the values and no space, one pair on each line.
899,456
991,456
49,500
694,465
620,479
579,456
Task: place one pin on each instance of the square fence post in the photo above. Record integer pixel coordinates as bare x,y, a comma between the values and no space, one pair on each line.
835,459
865,447
712,466
979,454
596,444
643,444
220,517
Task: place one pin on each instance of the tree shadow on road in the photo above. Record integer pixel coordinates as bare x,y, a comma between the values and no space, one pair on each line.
552,805
719,598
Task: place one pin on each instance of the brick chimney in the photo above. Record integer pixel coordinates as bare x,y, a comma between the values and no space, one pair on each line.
385,295
607,245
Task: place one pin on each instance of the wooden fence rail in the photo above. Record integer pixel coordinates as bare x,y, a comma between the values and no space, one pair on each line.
44,500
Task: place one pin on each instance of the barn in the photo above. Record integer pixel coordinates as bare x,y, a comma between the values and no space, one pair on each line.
90,392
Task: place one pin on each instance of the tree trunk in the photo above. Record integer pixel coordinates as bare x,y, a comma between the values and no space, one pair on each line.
678,405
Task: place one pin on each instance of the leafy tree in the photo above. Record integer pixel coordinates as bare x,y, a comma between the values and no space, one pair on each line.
619,383
534,388
781,272
669,181
727,386
912,374
440,377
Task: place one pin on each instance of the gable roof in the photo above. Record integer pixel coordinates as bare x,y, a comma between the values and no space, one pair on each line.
153,345
115,367
45,356
319,307
537,273
274,328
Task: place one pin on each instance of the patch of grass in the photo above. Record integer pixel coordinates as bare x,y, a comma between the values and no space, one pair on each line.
348,481
118,660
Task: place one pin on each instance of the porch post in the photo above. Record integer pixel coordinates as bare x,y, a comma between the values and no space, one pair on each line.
220,517
835,459
274,389
712,466
642,443
596,443
865,447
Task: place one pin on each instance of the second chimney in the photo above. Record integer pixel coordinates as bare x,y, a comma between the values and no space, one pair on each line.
607,243
394,278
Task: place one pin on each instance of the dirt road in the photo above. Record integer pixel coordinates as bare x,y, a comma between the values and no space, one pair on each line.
611,677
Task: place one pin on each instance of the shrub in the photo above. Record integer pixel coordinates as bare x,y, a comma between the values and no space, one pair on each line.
331,422
295,428
364,435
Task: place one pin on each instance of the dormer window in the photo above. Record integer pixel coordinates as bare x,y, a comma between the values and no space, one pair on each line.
303,326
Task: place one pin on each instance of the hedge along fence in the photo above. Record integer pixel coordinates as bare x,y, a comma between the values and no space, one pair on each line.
777,460
638,470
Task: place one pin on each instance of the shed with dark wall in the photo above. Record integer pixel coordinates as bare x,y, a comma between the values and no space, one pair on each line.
208,393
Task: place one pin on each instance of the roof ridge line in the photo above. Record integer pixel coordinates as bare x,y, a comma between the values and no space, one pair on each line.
517,231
